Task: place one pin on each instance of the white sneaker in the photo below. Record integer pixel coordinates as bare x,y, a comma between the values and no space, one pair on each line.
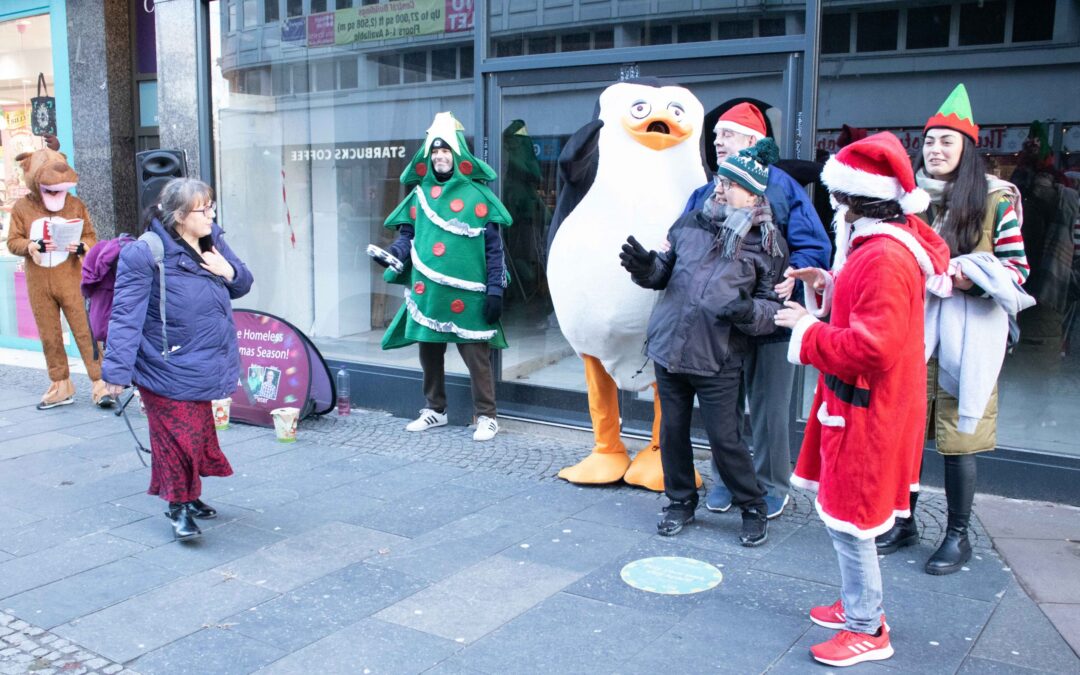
429,419
486,428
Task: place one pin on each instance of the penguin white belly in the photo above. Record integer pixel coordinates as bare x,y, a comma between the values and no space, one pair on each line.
601,311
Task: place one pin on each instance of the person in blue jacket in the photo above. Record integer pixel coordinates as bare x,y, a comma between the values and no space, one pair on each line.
195,359
768,377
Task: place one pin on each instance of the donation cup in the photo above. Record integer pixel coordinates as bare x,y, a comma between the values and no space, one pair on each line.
221,413
142,406
285,423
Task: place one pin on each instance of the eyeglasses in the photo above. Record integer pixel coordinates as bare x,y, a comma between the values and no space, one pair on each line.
722,183
209,207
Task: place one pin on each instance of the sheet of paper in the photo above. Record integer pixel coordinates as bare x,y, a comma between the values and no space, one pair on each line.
62,232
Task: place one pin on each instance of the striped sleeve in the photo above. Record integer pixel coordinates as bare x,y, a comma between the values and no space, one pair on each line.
1008,242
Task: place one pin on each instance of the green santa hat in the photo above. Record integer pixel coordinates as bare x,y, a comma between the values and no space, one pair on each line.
955,114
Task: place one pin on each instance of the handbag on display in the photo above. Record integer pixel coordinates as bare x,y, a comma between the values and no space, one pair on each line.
43,110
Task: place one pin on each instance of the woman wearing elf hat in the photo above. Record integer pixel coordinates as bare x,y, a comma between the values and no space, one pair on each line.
975,214
863,440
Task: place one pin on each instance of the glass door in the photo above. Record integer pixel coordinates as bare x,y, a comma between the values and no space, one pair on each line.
531,116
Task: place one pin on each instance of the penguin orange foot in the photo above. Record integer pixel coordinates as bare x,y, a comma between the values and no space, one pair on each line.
648,472
598,468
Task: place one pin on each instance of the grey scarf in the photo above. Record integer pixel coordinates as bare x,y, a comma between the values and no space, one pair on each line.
733,224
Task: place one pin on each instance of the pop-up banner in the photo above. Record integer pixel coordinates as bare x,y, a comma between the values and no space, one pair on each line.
279,367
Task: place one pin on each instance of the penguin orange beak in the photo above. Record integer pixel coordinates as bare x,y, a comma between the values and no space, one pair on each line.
659,131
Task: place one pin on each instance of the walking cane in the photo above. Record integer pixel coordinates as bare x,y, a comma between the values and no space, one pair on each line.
140,450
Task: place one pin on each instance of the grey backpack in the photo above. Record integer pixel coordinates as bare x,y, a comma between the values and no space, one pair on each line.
157,250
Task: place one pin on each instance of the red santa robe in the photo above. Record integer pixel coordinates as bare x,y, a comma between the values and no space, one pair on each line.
864,438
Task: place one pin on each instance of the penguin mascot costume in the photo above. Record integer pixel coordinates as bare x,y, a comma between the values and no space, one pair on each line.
628,172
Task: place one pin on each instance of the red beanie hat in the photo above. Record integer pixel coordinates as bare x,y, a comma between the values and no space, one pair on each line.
876,167
744,118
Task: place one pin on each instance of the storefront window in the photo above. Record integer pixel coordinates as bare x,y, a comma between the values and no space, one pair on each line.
25,53
1039,387
315,118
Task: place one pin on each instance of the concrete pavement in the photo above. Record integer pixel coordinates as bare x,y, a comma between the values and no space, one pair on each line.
362,548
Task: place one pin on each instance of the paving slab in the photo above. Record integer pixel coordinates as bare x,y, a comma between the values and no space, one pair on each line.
52,564
368,646
36,442
575,545
567,634
547,503
470,604
308,556
1066,619
405,479
976,666
1049,569
88,592
211,651
152,620
216,546
415,513
65,527
438,553
809,554
737,641
1016,519
338,505
324,606
1019,634
798,661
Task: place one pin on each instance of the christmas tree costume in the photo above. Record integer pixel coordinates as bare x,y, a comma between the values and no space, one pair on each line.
446,281
448,254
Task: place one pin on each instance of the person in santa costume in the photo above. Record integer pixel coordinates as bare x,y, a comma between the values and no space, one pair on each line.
861,449
979,216
449,255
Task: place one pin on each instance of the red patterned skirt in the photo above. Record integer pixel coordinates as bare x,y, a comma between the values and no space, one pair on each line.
184,446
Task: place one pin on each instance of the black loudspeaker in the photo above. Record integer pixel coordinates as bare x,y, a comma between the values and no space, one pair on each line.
154,168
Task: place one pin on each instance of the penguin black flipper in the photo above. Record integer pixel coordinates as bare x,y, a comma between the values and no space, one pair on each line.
577,171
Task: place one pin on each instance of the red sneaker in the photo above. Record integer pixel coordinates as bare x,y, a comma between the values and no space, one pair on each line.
847,648
832,616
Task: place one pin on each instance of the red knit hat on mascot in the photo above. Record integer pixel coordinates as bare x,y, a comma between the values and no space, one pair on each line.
743,118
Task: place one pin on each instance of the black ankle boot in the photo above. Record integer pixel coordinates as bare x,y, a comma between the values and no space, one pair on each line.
201,509
183,522
955,550
904,532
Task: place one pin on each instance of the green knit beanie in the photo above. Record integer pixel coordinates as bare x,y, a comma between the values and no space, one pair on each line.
750,168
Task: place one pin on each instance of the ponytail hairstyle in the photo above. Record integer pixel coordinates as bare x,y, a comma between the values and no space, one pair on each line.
965,200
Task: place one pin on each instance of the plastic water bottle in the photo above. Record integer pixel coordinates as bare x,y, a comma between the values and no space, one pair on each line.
343,402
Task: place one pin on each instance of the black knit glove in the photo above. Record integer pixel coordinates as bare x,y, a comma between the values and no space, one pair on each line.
738,311
493,308
637,261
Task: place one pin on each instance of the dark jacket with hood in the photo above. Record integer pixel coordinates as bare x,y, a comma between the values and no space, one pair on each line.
686,334
203,363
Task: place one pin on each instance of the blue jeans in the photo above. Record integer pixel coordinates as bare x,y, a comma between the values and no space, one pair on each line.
860,585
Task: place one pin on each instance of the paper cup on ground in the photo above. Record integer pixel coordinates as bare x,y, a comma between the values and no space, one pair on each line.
285,423
221,413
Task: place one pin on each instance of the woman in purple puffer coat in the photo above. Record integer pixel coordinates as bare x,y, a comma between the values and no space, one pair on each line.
197,359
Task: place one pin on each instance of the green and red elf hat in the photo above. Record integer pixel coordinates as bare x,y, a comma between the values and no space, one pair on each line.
955,114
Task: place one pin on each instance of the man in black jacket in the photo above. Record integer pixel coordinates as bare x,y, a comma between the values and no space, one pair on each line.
719,275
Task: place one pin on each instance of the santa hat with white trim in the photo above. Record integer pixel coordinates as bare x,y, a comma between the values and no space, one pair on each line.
876,167
743,118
